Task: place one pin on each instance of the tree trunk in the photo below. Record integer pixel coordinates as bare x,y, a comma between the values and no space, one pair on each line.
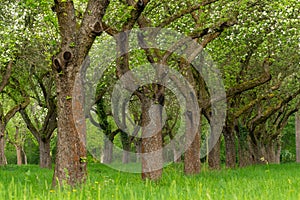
192,157
297,124
24,156
125,157
214,161
152,157
230,148
126,153
19,154
244,154
107,151
45,157
71,144
126,144
76,41
176,155
278,152
138,149
3,160
192,154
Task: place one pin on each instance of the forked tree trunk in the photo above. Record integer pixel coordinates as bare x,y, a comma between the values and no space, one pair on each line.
45,156
152,157
297,124
76,42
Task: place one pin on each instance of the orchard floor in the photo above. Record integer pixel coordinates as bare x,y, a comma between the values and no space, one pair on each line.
255,182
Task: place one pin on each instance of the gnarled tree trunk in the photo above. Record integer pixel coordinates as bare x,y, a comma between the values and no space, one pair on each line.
76,42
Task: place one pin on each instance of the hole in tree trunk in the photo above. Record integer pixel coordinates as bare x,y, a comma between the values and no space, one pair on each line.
67,55
97,28
57,64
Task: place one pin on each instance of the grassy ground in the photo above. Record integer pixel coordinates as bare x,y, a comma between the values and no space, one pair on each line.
256,182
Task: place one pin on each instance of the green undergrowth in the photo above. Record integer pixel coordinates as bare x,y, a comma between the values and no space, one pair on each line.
255,182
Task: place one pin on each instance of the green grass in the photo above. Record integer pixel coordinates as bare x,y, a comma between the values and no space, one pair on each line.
255,182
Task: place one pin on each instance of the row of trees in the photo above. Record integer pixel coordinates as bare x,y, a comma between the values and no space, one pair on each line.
254,46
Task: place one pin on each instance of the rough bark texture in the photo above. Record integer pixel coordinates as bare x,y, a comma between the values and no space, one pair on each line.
76,42
193,122
107,151
3,160
152,158
45,156
214,161
297,124
230,148
259,152
71,144
192,155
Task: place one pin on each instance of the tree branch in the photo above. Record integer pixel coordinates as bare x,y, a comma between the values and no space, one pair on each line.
184,12
6,77
29,124
11,113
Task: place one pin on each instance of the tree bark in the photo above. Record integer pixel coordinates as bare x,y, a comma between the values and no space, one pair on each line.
76,42
152,157
176,155
3,160
192,156
297,124
19,154
71,143
138,149
214,161
230,148
45,156
126,144
245,157
107,151
24,156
